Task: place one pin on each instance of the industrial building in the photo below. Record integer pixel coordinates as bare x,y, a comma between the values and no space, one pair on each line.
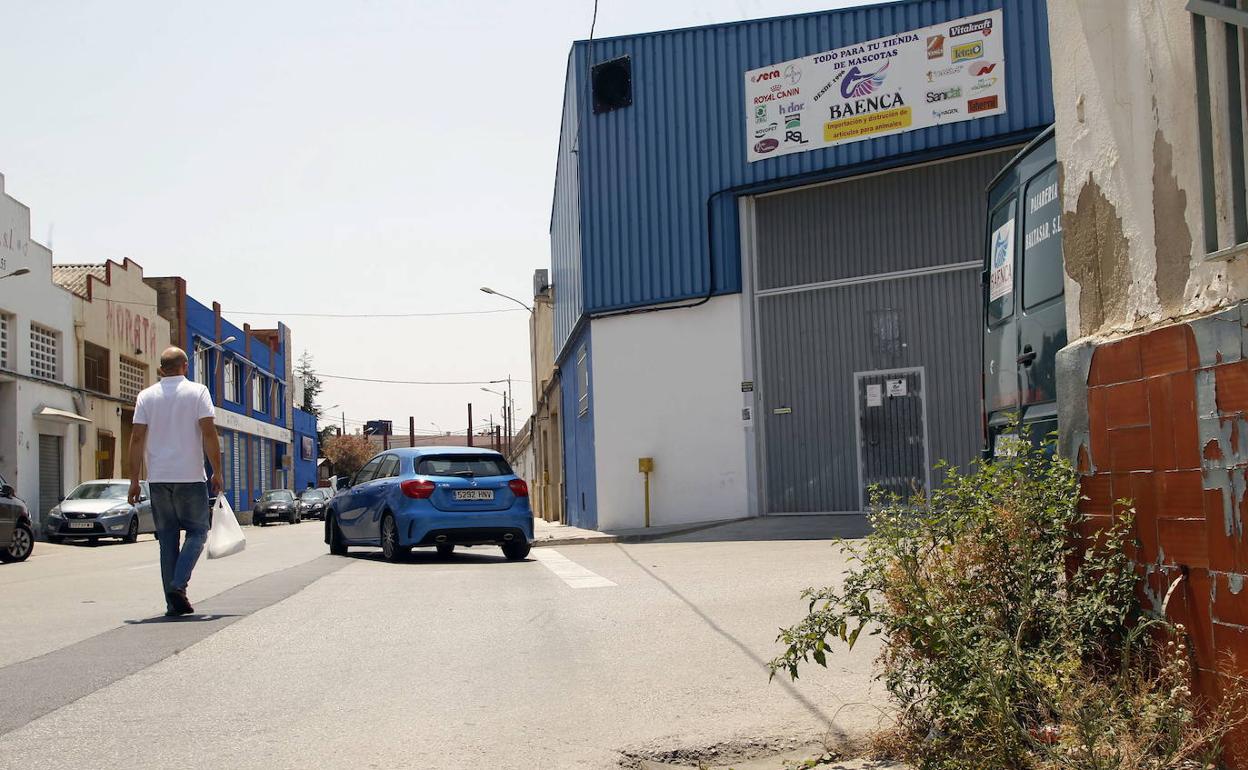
767,243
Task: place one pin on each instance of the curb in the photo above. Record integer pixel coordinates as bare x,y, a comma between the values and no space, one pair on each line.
640,537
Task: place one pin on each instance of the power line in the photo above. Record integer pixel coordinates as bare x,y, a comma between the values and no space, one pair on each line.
338,315
416,382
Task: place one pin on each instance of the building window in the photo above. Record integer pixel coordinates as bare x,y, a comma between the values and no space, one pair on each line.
1220,39
200,365
260,394
582,381
95,368
44,353
133,376
5,324
233,382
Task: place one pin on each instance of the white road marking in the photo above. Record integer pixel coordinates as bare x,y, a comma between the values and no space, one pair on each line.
569,571
145,566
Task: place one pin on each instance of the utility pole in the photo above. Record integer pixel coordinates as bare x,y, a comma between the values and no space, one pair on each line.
344,423
411,431
469,423
511,416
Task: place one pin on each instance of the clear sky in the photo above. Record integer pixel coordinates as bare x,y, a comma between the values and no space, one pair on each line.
345,156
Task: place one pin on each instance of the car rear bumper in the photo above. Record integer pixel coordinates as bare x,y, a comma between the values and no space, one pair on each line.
424,529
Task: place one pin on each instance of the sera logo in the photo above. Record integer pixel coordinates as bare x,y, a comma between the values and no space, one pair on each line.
764,76
766,146
858,84
968,51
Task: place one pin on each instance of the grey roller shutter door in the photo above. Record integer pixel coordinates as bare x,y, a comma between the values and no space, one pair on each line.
51,473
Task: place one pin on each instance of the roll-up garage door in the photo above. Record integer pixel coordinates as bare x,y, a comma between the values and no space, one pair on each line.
51,474
854,280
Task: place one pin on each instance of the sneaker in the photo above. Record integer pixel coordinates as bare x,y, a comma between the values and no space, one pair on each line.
178,604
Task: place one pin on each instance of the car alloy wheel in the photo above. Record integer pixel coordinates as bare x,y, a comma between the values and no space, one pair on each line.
390,548
21,546
132,533
336,546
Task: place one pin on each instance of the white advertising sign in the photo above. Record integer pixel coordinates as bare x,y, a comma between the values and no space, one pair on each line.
896,388
1001,278
946,73
875,395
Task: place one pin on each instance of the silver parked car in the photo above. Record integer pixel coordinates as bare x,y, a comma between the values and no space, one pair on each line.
97,509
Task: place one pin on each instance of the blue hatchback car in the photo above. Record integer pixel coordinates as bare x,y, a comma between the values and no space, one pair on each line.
432,496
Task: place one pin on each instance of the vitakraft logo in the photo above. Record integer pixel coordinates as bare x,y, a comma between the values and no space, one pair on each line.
981,25
858,84
766,146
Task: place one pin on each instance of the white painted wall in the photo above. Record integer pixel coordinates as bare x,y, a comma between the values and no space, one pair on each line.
27,298
1124,74
667,385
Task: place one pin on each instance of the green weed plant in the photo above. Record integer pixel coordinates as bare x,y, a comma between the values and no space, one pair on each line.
1012,635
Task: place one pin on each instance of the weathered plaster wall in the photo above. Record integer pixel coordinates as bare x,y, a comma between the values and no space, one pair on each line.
1124,94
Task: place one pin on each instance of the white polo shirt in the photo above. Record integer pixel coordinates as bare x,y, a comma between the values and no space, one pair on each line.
171,409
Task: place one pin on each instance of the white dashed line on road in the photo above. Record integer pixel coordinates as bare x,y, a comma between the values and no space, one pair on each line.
145,566
569,571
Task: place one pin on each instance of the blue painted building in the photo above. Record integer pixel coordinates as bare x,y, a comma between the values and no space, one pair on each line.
757,317
249,373
306,449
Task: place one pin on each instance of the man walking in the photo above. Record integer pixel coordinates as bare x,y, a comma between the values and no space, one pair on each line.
174,428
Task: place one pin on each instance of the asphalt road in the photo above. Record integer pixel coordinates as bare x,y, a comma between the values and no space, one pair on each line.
568,660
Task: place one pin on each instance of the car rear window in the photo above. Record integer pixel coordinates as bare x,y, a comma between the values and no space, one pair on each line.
462,465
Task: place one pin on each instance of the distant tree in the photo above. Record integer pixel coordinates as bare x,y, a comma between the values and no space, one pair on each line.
312,385
348,453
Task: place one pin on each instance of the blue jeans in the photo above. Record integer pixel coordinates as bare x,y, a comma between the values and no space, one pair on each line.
177,507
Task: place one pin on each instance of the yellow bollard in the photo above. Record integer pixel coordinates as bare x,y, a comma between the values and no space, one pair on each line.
646,465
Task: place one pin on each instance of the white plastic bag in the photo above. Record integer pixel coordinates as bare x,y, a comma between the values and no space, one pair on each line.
226,537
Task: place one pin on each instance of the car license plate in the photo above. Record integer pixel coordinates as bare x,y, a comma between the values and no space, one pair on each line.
474,494
81,524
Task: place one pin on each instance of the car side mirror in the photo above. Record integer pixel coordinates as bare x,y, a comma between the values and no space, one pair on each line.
61,499
7,491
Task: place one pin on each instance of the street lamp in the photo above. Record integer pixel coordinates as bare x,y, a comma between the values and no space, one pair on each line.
15,273
488,290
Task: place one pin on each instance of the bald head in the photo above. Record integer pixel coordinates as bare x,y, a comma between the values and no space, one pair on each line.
173,362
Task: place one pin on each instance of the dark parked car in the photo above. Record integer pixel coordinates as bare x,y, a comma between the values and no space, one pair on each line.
312,503
276,505
17,533
97,509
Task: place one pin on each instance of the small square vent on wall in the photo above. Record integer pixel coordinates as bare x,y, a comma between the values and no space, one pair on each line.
612,84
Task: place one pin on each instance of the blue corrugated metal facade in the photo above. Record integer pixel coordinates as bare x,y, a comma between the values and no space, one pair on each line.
565,217
580,471
634,187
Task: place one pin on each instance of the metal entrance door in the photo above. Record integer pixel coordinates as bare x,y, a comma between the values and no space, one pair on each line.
892,433
51,474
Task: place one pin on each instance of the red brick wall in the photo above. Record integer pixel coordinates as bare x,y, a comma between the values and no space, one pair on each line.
1144,444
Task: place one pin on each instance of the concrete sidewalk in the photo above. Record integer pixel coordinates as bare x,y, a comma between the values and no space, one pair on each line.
765,528
553,533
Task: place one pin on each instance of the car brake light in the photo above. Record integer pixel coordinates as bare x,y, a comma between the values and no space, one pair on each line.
420,489
518,487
